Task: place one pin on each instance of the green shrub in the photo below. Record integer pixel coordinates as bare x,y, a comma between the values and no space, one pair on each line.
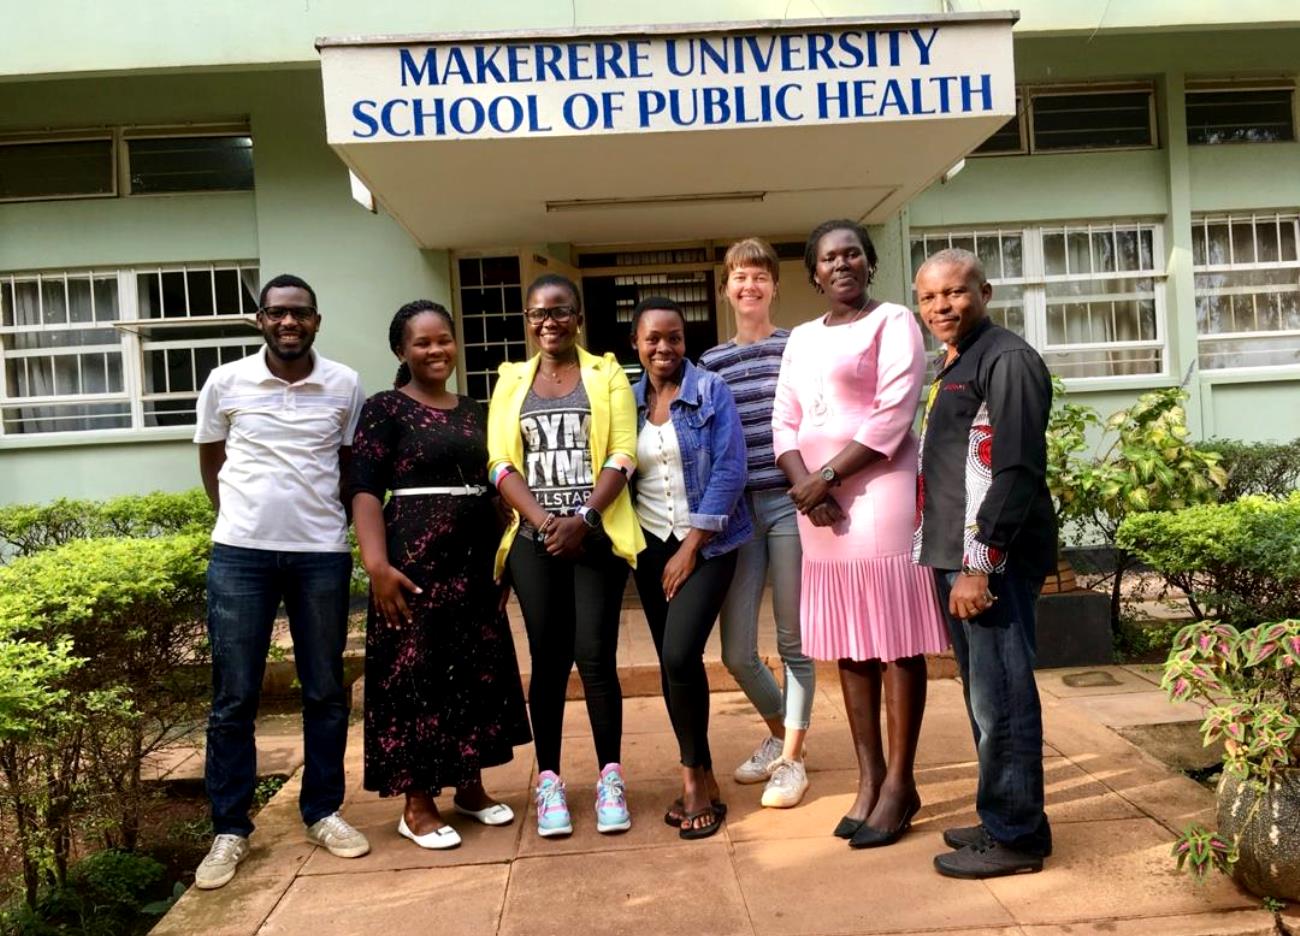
1269,468
30,528
1237,561
94,638
106,894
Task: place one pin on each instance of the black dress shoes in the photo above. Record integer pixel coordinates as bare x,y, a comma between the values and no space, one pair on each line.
847,827
867,837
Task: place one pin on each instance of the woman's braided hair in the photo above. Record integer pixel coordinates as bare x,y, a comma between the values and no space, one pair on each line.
397,331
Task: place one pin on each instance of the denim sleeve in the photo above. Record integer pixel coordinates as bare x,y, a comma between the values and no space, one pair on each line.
729,469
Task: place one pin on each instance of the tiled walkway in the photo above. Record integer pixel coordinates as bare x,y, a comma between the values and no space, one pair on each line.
767,872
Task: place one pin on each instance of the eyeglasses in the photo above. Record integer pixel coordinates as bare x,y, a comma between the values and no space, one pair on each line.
560,314
297,313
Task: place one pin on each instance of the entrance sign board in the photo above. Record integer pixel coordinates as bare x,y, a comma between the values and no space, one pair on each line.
763,75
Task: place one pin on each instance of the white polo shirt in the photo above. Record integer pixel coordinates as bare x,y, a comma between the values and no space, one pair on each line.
280,484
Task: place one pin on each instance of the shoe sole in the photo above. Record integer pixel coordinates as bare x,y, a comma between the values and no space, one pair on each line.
356,851
556,832
746,780
216,883
478,816
612,827
984,875
783,804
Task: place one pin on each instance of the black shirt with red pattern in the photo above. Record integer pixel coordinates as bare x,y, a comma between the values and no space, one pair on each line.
982,499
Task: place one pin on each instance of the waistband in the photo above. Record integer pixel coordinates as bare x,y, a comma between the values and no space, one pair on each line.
468,490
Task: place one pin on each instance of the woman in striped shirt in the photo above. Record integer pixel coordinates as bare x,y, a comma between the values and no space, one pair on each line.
750,364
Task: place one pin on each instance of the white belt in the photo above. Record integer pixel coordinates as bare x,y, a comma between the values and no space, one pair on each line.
469,490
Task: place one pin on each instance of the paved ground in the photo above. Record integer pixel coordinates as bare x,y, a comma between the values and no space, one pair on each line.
767,872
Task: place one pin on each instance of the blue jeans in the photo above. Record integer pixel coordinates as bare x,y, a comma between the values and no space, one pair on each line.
245,588
775,548
996,654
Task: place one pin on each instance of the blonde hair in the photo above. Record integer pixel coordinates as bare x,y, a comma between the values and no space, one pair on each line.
751,252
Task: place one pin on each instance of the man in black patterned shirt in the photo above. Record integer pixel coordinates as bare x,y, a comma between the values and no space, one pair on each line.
985,524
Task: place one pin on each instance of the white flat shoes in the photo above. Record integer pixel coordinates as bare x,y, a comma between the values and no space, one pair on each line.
442,837
496,814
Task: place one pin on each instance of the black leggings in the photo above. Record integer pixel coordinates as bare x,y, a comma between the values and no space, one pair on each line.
571,611
680,629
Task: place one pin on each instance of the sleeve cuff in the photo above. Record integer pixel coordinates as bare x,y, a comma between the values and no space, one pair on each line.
713,523
982,558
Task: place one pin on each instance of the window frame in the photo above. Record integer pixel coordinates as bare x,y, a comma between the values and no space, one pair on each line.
1210,86
134,342
1034,281
126,135
88,135
1026,95
1204,220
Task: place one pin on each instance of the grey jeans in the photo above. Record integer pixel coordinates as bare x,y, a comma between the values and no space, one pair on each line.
775,550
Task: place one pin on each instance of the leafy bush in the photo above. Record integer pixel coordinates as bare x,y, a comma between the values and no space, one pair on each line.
1269,468
1238,561
1143,462
30,528
94,635
105,895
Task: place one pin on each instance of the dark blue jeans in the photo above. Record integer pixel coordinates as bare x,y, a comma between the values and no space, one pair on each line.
996,654
245,588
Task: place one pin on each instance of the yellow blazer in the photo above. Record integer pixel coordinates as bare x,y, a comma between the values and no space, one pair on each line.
613,432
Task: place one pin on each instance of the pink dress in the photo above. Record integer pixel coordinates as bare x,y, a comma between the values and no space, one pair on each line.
863,598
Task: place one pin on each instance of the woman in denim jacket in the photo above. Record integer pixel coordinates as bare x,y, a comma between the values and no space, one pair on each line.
690,478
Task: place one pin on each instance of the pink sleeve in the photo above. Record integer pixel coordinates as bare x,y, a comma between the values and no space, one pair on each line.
900,370
786,413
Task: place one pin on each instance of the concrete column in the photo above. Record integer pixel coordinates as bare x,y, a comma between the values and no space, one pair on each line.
1181,285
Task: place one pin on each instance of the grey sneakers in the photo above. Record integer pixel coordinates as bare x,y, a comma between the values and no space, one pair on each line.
759,766
787,785
337,837
218,867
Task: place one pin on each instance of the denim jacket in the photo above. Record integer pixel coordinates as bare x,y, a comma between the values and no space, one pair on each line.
713,456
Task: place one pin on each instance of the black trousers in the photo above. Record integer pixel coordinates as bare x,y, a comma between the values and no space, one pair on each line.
680,629
571,611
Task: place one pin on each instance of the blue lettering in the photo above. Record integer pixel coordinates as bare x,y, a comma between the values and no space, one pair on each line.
763,61
895,54
985,92
454,116
485,65
819,48
386,117
418,117
516,114
677,112
788,53
454,63
922,45
864,90
570,115
708,52
535,121
648,104
611,102
426,73
516,62
825,98
673,66
361,112
637,56
607,60
872,58
717,109
855,55
918,100
893,97
576,59
765,103
945,102
547,57
780,102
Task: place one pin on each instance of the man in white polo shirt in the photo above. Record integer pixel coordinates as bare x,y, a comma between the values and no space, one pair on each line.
274,433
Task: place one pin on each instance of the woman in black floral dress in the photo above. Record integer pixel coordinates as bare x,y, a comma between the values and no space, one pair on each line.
443,696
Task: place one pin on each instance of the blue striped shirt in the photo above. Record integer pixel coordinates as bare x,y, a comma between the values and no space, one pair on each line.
751,371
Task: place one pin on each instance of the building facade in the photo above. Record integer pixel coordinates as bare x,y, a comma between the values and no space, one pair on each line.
1133,186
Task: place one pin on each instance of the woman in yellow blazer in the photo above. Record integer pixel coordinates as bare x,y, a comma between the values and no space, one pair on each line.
561,447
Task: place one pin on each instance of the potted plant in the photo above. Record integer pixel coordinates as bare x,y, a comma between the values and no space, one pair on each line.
1249,681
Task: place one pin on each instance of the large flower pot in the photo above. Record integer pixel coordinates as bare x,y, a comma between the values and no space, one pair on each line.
1265,825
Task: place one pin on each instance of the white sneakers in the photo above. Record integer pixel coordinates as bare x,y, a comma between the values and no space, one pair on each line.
218,866
787,785
759,766
336,836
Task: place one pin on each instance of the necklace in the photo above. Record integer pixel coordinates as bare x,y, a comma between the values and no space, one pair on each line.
558,375
856,315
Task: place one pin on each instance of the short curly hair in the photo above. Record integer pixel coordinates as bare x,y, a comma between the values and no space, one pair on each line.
838,224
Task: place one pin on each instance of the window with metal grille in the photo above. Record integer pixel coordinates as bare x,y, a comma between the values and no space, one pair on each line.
1089,297
1092,119
1247,270
491,320
169,164
57,168
1241,115
1009,139
118,350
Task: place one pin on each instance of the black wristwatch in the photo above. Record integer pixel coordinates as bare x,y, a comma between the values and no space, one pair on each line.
829,476
590,516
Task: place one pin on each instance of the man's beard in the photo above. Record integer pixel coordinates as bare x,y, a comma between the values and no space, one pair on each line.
290,354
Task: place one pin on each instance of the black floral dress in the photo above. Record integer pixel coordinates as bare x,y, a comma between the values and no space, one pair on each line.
443,696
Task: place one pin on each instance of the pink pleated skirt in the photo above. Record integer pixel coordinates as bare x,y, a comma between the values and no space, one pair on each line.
863,598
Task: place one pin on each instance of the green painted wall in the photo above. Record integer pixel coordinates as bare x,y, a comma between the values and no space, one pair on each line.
300,219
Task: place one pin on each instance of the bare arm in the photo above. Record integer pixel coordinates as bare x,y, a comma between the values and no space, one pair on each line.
387,584
212,455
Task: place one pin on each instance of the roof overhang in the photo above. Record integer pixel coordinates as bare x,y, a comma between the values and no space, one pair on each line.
663,133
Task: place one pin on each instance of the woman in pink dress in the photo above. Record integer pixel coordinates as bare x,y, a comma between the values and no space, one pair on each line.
842,428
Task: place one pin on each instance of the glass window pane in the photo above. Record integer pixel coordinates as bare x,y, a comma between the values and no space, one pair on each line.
1245,116
79,302
1012,260
1006,139
67,382
986,248
1198,244
1092,121
191,164
1054,254
1103,252
1266,241
56,169
54,301
106,300
200,287
1216,244
1243,242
